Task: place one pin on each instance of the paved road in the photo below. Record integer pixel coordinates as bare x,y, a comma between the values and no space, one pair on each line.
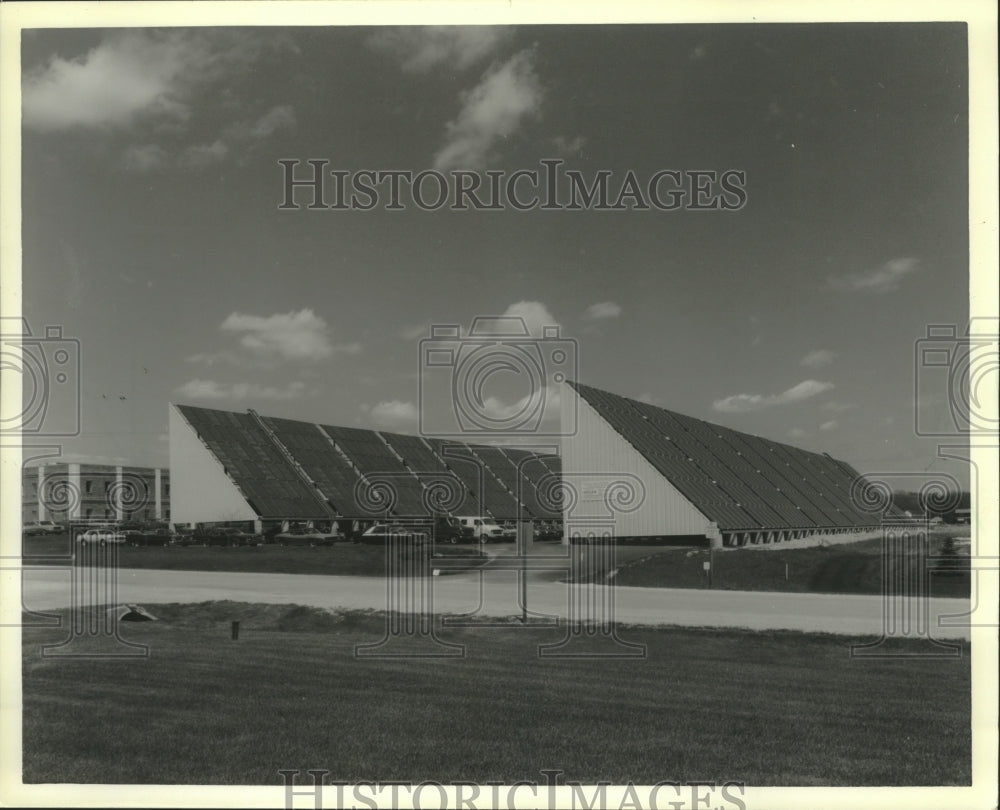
494,593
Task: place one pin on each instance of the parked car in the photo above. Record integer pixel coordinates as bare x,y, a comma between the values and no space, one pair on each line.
381,532
182,537
482,529
307,536
34,529
51,527
548,530
152,536
100,536
226,536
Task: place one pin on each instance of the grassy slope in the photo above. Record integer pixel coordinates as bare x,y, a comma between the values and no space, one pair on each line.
849,568
766,708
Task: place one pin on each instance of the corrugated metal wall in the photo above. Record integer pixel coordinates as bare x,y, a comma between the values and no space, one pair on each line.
600,470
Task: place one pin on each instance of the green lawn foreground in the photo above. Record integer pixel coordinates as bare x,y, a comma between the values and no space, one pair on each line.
772,708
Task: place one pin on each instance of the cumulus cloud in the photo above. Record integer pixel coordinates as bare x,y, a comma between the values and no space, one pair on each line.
210,389
141,81
127,75
827,426
603,311
569,147
418,49
535,315
147,158
740,403
796,433
274,120
301,335
198,157
492,110
394,413
236,139
837,407
549,398
886,278
818,358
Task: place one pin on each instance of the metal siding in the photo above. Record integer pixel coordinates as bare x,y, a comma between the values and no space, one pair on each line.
597,451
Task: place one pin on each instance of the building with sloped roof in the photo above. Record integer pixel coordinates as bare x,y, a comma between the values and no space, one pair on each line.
234,467
630,471
638,471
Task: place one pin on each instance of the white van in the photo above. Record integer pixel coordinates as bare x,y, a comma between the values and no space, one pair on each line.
482,529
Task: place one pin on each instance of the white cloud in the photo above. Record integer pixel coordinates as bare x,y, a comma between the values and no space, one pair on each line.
127,75
837,407
549,398
145,158
394,413
419,49
796,433
740,403
274,120
197,157
569,147
649,399
882,279
212,358
301,335
210,389
603,311
494,109
535,315
157,79
818,358
827,426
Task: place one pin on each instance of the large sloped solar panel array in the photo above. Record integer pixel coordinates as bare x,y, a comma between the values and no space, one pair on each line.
386,473
739,481
473,472
300,470
253,462
329,470
429,469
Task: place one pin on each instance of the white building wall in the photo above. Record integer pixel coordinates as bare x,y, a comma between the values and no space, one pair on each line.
73,475
43,513
596,457
200,490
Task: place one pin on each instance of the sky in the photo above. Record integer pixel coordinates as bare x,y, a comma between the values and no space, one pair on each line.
152,231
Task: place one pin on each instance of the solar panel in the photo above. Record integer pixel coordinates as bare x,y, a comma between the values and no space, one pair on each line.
263,474
738,480
376,463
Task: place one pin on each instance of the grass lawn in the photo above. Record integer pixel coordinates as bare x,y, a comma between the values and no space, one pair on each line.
847,568
357,559
765,708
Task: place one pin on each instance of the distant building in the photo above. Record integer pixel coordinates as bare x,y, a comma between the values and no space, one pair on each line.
963,515
68,491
